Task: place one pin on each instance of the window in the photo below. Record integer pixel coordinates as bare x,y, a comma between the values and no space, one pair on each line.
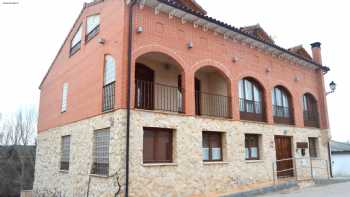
251,103
76,41
109,83
281,106
252,147
64,98
310,111
157,145
212,146
313,147
101,152
92,27
65,152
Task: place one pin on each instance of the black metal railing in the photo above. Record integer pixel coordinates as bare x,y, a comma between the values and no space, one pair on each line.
213,105
155,96
282,115
75,48
108,97
251,110
311,118
93,33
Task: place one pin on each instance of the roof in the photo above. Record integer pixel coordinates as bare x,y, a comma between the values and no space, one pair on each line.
193,5
340,147
175,4
300,50
257,31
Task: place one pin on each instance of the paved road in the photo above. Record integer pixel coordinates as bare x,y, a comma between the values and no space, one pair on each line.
335,190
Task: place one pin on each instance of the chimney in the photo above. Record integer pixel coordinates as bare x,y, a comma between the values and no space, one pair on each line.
316,52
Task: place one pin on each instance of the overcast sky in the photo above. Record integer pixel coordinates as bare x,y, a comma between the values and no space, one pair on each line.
32,32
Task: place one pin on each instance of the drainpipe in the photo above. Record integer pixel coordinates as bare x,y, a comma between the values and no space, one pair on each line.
131,20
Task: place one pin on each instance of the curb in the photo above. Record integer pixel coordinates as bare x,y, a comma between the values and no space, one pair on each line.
264,190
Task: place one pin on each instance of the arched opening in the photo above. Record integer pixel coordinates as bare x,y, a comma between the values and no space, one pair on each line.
212,93
282,107
311,116
109,83
251,100
158,83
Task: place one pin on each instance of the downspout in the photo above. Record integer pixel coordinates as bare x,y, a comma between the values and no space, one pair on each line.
132,3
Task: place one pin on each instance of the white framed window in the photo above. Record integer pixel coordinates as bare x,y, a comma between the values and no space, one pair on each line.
109,70
64,97
76,41
92,26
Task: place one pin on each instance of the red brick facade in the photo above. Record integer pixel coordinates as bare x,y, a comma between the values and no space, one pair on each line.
168,35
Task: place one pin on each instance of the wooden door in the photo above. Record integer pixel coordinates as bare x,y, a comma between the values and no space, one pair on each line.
197,89
284,156
144,87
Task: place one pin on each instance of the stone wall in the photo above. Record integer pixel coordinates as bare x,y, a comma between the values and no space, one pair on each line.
187,175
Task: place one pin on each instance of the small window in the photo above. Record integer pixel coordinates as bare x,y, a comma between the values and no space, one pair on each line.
64,98
157,145
313,147
212,146
76,41
310,111
109,84
65,152
101,152
92,27
252,147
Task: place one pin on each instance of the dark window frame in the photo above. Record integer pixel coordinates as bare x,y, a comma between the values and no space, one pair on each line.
282,108
209,135
156,132
313,151
249,145
252,116
75,48
311,114
64,165
94,32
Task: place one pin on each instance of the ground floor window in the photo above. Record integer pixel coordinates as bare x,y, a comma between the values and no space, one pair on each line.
212,146
65,152
101,152
157,145
313,146
252,147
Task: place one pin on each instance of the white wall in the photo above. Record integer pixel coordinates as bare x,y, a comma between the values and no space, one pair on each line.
341,165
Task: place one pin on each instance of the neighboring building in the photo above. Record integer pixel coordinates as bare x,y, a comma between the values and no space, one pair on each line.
340,159
212,106
16,169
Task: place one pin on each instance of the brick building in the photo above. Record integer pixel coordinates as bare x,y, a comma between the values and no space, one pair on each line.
176,103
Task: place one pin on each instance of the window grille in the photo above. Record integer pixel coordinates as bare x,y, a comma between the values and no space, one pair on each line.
65,152
101,152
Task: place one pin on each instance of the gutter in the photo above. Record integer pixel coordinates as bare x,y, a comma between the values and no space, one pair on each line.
131,20
236,30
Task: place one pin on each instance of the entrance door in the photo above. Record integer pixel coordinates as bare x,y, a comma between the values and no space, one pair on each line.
284,156
144,87
197,89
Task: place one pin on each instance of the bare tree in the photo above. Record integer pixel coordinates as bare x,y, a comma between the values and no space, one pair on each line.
18,128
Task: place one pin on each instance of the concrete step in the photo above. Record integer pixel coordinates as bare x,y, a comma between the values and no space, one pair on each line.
264,190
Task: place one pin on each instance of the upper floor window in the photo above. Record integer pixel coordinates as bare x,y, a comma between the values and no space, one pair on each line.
281,106
101,152
76,41
92,26
64,97
310,111
65,152
251,100
109,83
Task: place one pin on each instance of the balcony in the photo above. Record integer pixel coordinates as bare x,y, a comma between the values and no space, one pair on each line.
251,110
155,96
311,119
213,105
282,115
